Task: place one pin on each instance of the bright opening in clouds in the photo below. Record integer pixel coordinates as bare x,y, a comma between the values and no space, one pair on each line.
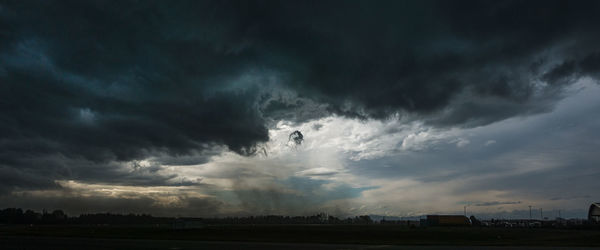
221,108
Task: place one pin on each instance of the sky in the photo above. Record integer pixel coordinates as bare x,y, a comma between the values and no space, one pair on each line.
406,108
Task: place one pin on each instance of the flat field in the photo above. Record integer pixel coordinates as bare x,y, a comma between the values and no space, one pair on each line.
329,234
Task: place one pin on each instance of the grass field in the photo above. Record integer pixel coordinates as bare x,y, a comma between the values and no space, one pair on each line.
339,234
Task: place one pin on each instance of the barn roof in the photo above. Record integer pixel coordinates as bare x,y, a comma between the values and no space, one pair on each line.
594,209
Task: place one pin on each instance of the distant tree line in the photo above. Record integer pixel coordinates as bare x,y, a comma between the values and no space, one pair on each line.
18,216
277,219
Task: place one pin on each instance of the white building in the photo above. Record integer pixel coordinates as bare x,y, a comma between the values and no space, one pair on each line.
594,213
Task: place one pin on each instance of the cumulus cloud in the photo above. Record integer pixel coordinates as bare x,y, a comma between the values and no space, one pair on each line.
462,142
316,172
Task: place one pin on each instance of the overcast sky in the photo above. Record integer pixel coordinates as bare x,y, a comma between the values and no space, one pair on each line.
405,107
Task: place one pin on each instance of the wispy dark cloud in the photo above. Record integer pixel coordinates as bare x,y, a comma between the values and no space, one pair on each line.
495,203
570,198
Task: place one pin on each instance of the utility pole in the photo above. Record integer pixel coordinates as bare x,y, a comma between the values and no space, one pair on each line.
559,214
530,212
541,214
465,207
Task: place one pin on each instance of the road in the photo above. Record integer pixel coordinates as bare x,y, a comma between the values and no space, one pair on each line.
24,243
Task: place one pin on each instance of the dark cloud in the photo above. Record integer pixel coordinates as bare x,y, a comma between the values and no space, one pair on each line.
428,58
11,177
317,126
570,198
495,203
570,70
296,137
110,82
41,172
75,205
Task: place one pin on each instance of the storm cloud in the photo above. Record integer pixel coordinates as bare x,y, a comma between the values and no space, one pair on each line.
89,87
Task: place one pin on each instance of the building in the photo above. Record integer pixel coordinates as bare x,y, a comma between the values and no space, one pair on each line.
447,220
594,212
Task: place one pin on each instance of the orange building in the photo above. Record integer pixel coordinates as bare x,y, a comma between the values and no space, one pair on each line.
447,220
